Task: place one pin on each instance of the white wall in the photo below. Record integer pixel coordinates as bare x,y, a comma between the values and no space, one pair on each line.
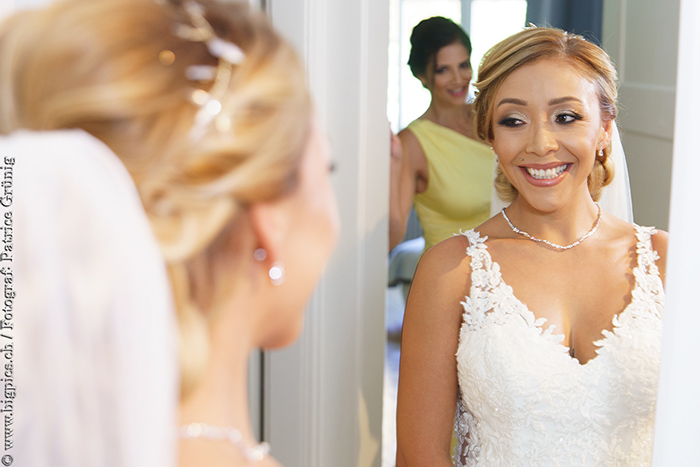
323,396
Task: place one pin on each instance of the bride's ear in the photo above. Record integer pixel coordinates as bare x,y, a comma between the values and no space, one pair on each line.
606,133
270,225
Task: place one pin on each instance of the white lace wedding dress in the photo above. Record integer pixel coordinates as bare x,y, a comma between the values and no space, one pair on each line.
525,401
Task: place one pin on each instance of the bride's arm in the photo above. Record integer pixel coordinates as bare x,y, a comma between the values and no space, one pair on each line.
427,393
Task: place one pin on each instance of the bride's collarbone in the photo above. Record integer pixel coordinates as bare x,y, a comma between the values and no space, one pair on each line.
565,286
567,280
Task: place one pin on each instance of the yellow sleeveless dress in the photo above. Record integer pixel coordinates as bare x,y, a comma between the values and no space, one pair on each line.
460,180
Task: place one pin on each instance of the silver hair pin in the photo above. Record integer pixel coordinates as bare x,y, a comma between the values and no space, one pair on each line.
229,54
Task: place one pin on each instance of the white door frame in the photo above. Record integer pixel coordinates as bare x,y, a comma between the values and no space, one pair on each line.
678,406
322,402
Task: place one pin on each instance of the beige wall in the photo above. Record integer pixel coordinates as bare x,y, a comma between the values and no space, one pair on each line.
642,38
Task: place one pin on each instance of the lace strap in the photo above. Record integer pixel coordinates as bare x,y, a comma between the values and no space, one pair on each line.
646,261
485,273
476,249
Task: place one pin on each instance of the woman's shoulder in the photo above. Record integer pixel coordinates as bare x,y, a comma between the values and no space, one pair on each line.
441,282
414,128
659,244
452,250
459,245
413,151
659,240
634,235
625,230
490,233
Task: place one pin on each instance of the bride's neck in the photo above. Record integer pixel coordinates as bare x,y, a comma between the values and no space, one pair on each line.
557,225
220,397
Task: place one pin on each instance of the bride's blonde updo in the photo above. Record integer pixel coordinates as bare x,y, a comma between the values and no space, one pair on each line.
119,70
535,43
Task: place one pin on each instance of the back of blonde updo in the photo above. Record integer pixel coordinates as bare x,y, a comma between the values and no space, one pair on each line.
533,44
95,65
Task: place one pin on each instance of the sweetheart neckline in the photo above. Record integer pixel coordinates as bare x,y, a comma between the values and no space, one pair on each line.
532,323
598,344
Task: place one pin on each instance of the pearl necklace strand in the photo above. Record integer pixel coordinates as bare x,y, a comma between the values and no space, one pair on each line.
552,244
254,453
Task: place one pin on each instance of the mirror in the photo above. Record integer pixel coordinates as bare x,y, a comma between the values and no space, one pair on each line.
634,38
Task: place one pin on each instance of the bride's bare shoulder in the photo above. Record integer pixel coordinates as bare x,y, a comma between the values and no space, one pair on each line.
446,254
622,234
450,255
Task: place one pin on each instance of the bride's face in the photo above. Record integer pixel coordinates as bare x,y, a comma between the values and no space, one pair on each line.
547,129
309,241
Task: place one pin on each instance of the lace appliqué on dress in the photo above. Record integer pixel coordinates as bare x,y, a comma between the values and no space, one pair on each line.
524,399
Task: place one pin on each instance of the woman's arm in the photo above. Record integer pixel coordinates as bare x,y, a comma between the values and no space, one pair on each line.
427,393
406,161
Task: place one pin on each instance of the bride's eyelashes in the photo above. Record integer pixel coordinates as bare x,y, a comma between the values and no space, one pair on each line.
562,118
567,117
512,120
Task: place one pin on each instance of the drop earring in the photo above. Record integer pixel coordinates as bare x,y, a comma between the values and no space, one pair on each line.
276,273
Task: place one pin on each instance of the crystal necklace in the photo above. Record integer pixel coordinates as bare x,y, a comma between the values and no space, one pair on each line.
552,244
254,453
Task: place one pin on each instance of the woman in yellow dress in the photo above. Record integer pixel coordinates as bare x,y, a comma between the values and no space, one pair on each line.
438,165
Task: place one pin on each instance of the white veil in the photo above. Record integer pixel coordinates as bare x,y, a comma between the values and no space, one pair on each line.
616,198
95,358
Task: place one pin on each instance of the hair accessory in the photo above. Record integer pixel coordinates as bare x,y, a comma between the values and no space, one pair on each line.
552,244
254,453
202,31
228,53
276,273
166,57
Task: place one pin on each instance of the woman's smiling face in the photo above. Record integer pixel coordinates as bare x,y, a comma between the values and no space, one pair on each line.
449,81
547,128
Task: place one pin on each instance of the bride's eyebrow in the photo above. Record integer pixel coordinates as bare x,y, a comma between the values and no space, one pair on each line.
512,100
561,100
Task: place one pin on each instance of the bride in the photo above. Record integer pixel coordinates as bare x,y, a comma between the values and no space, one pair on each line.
170,170
554,306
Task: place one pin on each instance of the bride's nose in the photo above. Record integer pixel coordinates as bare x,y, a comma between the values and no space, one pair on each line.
542,140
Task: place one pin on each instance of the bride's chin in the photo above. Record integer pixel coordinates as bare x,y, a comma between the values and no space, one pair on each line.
542,204
284,334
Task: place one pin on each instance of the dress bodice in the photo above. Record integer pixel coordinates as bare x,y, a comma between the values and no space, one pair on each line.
525,401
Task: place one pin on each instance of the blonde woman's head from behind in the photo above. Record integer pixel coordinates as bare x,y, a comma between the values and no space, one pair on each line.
130,72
